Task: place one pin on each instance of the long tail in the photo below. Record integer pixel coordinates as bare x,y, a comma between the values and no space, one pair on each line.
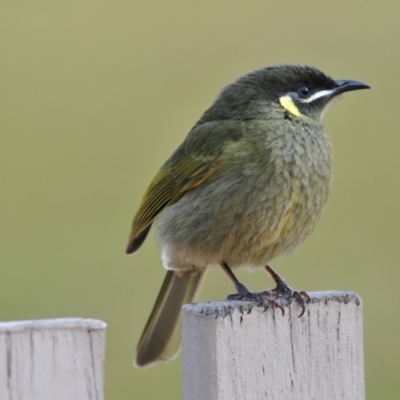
160,340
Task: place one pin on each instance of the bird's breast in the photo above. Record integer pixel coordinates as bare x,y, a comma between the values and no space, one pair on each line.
259,206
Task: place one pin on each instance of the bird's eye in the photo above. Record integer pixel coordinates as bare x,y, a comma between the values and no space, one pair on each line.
303,91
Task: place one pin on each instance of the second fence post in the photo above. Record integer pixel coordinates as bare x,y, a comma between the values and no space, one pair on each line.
55,359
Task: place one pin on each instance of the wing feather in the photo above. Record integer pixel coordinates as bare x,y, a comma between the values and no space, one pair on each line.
195,161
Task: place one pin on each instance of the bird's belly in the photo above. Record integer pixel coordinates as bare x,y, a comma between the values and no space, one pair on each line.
248,228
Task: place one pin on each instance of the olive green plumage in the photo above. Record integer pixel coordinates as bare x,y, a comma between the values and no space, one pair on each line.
248,184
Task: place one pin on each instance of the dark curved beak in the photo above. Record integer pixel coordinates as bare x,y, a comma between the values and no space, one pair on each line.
346,85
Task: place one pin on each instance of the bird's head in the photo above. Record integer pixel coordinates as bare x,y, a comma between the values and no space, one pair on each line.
299,90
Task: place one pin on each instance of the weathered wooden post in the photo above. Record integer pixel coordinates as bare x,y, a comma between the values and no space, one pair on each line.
56,359
235,351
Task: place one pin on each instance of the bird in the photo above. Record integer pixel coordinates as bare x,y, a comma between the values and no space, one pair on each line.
247,184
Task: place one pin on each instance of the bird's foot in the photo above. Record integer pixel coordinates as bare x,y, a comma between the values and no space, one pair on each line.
283,290
266,298
282,295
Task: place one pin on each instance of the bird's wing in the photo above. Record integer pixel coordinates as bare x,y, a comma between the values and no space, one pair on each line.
196,160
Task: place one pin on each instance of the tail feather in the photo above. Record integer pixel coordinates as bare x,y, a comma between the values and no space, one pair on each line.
137,241
160,340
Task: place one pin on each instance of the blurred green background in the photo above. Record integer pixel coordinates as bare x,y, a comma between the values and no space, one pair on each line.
95,95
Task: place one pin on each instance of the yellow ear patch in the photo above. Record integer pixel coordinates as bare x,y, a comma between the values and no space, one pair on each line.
288,104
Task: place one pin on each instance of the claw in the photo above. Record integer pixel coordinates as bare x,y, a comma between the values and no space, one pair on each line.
302,298
269,298
276,305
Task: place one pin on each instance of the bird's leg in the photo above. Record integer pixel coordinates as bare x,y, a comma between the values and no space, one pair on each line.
265,299
241,289
284,290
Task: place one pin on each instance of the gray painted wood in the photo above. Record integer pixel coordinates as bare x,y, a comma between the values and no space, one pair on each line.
57,359
234,350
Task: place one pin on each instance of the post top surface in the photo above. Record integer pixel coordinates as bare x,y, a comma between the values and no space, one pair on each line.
224,308
56,324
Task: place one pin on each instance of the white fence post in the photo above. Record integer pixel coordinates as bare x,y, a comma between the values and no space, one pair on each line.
56,359
234,350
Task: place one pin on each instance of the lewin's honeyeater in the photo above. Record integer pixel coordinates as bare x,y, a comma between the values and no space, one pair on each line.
248,184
